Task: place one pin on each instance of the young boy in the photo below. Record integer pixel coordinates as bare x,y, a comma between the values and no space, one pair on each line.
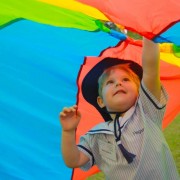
130,144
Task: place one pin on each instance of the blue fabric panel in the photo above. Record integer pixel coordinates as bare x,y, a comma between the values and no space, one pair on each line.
39,65
171,35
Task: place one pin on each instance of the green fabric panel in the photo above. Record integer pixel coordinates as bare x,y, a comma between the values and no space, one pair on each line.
44,13
6,20
176,50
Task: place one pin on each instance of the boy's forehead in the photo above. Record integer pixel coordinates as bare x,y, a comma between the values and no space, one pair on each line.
118,72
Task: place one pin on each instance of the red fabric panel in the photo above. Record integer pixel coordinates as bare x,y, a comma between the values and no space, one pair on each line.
147,17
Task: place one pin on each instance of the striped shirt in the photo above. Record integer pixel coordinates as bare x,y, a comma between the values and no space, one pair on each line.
141,136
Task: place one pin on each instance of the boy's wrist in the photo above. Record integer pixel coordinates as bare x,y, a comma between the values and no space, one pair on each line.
68,132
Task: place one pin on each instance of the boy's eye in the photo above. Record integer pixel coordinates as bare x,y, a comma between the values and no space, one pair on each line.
109,82
126,79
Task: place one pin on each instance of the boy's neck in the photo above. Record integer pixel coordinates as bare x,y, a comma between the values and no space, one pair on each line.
114,114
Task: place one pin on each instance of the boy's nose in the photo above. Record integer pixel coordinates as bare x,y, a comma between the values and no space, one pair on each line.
118,84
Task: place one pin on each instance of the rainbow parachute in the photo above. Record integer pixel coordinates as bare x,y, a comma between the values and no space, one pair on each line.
46,48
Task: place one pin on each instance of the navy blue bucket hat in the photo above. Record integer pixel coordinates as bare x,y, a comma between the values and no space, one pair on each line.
90,81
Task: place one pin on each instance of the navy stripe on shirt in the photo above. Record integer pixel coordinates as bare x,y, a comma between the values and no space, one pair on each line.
89,152
151,99
99,130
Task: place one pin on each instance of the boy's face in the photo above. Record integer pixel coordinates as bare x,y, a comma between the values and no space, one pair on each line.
119,92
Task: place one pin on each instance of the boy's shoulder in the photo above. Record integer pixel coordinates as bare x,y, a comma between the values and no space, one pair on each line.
101,128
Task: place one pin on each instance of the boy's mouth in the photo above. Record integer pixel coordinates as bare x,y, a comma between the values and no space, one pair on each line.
119,92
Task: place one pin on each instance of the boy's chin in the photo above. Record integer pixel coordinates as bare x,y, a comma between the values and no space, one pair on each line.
122,107
120,110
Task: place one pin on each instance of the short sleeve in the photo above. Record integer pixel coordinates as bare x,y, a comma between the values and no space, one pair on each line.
84,146
153,108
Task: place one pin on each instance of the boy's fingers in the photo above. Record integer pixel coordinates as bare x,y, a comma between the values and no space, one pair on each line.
73,109
62,114
78,113
68,109
75,106
65,109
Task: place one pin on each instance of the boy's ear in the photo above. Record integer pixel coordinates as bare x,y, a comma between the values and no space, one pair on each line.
100,102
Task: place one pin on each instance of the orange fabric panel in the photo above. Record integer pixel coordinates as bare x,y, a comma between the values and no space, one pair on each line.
173,106
78,174
170,76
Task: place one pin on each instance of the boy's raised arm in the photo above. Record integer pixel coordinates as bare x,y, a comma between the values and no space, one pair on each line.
150,64
69,119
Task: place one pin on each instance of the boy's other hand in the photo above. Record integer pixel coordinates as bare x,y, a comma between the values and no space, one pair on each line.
69,118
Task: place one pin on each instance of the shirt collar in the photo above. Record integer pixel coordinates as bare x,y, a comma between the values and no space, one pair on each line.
108,127
123,120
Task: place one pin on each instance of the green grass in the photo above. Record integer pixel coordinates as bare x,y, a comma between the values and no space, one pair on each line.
172,135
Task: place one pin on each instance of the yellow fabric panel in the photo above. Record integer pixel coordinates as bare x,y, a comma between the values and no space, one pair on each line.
167,54
166,47
77,6
170,58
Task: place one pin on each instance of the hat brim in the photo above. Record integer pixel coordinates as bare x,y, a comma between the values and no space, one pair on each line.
90,81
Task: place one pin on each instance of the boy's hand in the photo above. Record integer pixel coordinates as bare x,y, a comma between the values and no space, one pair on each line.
69,118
